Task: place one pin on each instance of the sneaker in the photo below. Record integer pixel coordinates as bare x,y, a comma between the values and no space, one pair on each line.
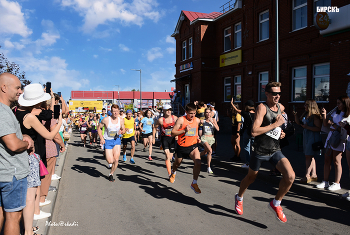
210,171
47,202
238,205
150,158
42,215
278,211
55,177
124,158
110,178
195,188
347,194
213,154
334,187
52,189
172,178
245,166
144,150
324,184
132,161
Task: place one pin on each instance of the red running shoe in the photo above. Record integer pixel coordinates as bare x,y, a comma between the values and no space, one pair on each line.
150,158
238,205
278,211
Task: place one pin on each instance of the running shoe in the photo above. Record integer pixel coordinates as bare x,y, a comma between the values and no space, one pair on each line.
150,158
346,195
238,205
124,158
324,184
245,166
47,202
55,177
195,188
144,150
110,178
132,161
334,187
172,178
210,171
213,153
278,211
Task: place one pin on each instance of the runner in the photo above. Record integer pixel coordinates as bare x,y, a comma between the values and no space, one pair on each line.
104,114
208,139
200,114
94,124
267,132
186,127
89,130
114,128
83,127
129,135
166,124
137,130
146,127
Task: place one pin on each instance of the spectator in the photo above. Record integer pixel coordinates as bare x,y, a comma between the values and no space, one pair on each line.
215,115
14,164
346,126
236,127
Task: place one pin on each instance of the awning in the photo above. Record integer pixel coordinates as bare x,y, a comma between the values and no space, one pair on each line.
181,78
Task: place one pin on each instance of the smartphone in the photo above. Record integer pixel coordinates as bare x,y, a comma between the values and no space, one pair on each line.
48,87
293,107
59,94
56,111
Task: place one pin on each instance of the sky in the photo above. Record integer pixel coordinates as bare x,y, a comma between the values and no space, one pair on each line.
94,44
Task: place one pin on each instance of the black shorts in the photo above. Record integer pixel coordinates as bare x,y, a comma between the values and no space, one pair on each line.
184,152
234,130
146,135
168,143
256,160
126,140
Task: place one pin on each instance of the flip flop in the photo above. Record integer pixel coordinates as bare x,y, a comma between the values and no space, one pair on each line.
35,229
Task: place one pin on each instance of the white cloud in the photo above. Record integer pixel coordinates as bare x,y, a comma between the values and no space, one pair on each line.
49,37
123,47
154,53
170,39
123,71
105,49
12,19
8,44
95,56
105,11
171,50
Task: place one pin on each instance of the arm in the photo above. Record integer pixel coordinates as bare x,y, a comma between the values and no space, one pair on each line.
122,127
58,138
99,131
14,144
32,121
233,106
257,129
64,106
178,125
155,127
215,125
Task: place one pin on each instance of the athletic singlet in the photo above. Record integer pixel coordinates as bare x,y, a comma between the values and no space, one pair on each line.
129,124
83,127
188,138
94,125
166,128
112,129
269,142
208,128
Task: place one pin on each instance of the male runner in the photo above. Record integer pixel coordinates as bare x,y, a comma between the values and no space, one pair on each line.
166,123
267,132
186,128
103,115
129,135
114,127
146,127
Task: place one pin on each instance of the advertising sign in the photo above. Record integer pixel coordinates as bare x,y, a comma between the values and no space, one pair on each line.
321,20
234,57
90,105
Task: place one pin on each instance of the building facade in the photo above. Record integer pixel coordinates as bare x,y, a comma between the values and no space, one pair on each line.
233,53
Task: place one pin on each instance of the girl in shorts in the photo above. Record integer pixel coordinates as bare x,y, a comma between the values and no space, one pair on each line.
146,127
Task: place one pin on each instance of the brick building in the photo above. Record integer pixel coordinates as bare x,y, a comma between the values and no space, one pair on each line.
233,52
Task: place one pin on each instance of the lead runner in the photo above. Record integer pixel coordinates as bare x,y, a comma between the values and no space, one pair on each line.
267,132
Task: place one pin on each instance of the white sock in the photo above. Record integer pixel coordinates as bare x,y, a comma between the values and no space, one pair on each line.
276,202
194,181
239,198
110,165
109,174
173,172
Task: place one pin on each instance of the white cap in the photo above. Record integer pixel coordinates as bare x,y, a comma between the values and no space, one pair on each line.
166,107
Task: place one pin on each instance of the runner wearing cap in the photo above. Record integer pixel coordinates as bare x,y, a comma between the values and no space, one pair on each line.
166,124
129,135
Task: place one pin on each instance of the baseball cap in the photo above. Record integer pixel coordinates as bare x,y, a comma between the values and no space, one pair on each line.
249,103
128,111
166,107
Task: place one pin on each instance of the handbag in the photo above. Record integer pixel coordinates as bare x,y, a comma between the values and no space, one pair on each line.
66,136
42,167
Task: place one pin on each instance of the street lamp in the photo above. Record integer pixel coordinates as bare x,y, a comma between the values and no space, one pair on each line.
118,93
140,88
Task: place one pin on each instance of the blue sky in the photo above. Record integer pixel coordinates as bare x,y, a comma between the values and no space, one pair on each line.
94,44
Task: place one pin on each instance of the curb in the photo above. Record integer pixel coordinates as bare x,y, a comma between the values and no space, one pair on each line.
44,229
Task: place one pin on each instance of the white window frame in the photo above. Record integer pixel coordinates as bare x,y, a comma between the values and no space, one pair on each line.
235,83
262,21
296,8
184,50
259,92
236,33
227,85
190,48
228,35
297,78
315,76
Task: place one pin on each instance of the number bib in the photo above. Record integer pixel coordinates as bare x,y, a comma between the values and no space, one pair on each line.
130,131
149,123
207,130
168,132
275,133
83,128
191,132
112,134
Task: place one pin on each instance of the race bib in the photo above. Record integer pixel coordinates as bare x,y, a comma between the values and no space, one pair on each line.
149,123
275,133
112,134
83,129
207,130
168,132
191,132
130,131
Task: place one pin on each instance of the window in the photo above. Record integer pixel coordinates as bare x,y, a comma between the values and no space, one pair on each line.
227,39
321,3
184,50
190,48
299,84
264,26
227,89
237,88
299,14
238,35
321,82
263,80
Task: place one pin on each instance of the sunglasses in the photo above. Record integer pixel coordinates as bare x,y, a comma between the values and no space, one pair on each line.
275,93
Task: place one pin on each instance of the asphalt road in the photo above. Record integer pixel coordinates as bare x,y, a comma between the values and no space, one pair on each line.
143,201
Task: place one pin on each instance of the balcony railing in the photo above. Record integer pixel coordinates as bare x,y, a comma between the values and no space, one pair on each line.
228,6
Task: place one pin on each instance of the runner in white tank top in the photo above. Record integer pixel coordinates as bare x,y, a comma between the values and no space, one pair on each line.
114,128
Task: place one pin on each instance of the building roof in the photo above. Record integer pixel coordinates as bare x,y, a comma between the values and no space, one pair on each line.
191,15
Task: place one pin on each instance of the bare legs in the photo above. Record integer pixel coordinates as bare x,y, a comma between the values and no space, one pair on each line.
336,157
310,167
28,211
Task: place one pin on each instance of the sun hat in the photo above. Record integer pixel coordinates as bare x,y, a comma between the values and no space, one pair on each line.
166,107
33,94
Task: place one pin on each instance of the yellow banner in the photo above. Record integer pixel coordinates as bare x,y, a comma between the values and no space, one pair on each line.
231,58
73,104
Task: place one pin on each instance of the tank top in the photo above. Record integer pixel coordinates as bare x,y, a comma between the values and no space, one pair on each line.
129,124
167,127
208,128
269,142
188,138
112,130
83,127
